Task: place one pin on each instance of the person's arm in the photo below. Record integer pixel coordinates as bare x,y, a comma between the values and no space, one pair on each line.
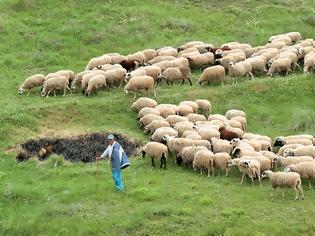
105,154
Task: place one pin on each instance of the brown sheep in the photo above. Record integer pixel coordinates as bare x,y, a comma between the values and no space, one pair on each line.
226,134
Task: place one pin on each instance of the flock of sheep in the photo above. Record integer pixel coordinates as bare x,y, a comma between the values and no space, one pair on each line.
193,136
143,70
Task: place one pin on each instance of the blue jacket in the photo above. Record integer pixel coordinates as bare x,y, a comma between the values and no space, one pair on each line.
119,159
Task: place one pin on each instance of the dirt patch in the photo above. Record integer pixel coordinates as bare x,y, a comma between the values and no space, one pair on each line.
79,148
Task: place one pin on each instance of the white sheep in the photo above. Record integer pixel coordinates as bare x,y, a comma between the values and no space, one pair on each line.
184,110
234,112
173,119
204,105
160,58
138,72
159,133
308,150
234,58
149,54
187,154
153,71
285,179
309,63
201,60
138,56
212,74
193,104
31,82
56,83
96,82
220,162
304,139
115,76
193,117
243,68
286,161
305,169
181,127
140,83
207,132
167,51
173,74
147,119
143,102
280,65
219,145
156,151
78,79
204,160
96,61
86,78
148,110
165,110
155,124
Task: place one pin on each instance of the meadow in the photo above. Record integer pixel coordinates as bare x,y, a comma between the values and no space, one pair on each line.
56,197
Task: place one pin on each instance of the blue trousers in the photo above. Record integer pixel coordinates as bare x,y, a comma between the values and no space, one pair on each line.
117,179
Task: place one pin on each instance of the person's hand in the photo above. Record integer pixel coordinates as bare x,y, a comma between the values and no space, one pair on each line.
98,158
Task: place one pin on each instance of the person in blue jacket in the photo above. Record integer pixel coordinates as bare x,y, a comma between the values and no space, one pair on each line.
118,160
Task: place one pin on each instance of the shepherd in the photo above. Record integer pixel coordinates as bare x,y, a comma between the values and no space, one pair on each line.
118,160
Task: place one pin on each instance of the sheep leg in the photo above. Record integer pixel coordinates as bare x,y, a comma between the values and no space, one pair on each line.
271,193
251,75
301,191
120,84
154,92
64,91
54,93
283,194
309,184
226,172
48,94
28,92
243,175
296,193
183,82
189,81
153,164
209,170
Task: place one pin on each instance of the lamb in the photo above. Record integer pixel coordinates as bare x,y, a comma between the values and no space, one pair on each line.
308,150
140,83
156,151
192,117
129,65
173,119
175,74
147,119
54,84
148,110
95,61
187,154
204,160
185,110
31,82
305,169
159,133
220,161
155,124
204,105
243,68
219,145
96,82
201,60
280,65
286,161
115,76
212,74
285,179
226,134
144,102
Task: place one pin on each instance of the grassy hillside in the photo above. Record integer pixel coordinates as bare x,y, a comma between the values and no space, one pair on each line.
58,198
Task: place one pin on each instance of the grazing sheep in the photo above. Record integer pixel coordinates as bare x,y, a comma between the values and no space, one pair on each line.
156,151
96,82
107,67
173,74
168,51
242,120
226,134
173,119
305,169
159,133
116,58
67,73
140,83
204,48
204,160
185,110
258,64
164,65
188,50
56,83
189,45
78,79
234,58
234,112
251,168
193,104
165,110
149,54
187,154
181,63
295,36
115,76
147,119
220,161
97,61
144,102
243,68
204,105
86,78
193,117
309,63
160,58
207,133
285,179
308,150
280,65
148,110
194,135
286,161
201,60
137,72
218,117
153,71
241,152
129,65
155,124
303,139
137,57
212,74
31,82
219,145
181,127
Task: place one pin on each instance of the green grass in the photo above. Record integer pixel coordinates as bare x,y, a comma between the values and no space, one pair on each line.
56,198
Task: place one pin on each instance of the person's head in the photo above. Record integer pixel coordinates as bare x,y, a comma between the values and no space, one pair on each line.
110,139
